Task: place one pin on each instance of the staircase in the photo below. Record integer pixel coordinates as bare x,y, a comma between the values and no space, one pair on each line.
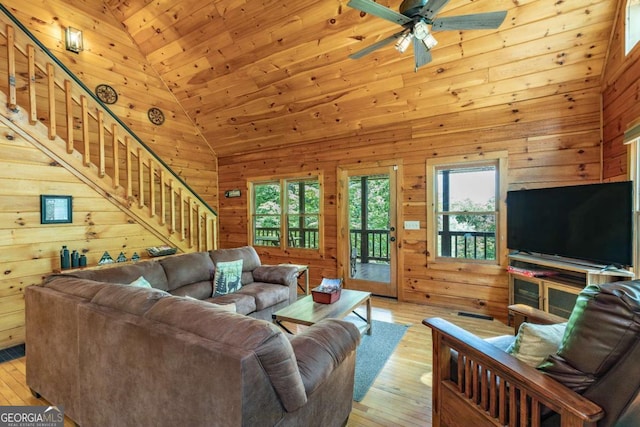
44,103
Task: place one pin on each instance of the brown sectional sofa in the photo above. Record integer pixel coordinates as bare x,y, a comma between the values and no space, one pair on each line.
265,288
119,355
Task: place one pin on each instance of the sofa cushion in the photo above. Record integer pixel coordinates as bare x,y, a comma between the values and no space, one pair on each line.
188,268
535,342
226,307
245,304
228,277
83,288
198,290
264,338
123,274
248,255
265,294
130,299
280,274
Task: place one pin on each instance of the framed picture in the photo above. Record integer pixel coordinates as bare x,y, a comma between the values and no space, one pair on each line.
55,209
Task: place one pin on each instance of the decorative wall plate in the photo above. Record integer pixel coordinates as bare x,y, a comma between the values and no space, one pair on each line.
106,94
155,116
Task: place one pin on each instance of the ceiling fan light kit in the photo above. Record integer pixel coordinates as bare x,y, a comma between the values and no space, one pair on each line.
403,42
415,17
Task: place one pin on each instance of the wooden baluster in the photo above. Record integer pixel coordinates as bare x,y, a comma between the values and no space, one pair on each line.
198,236
467,377
172,207
115,145
493,394
163,198
127,143
86,156
190,219
140,179
12,102
524,409
182,224
475,381
513,406
206,231
51,87
214,233
31,58
68,101
502,402
152,190
535,412
101,166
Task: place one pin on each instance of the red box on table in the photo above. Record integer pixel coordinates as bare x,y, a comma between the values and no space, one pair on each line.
328,291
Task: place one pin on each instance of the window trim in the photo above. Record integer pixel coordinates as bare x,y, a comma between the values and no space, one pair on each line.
630,45
632,140
282,181
433,165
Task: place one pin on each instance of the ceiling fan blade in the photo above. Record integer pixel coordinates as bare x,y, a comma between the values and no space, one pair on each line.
369,6
367,50
476,21
432,7
421,54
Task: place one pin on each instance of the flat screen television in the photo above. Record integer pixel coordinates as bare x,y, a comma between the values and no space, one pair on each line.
591,222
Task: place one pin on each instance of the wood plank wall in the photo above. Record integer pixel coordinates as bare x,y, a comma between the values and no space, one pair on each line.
620,99
31,250
551,140
111,57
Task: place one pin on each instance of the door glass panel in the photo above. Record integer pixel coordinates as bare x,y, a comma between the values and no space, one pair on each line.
266,220
369,222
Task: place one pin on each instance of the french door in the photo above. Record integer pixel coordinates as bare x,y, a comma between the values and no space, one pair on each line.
367,227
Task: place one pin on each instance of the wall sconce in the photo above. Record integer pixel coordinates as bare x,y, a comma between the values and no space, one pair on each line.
73,39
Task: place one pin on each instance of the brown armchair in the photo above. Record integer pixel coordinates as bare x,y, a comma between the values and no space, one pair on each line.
592,380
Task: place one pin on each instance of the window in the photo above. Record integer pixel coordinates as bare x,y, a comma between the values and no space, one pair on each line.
286,212
632,141
465,197
632,25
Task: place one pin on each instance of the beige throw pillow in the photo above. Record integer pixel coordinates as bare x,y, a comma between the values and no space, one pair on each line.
535,342
141,282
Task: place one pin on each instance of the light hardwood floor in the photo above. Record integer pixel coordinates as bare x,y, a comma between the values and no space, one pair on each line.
400,396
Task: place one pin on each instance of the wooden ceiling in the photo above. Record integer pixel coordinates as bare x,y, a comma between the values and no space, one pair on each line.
255,75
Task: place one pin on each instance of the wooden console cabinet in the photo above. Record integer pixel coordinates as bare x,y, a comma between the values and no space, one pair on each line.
556,293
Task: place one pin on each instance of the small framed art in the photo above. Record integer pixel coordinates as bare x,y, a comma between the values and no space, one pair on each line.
55,209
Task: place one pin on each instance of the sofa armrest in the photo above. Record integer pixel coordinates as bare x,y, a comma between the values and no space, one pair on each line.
320,349
498,395
278,274
519,313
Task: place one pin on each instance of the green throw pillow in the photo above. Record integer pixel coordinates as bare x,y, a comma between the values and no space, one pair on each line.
535,342
141,282
227,278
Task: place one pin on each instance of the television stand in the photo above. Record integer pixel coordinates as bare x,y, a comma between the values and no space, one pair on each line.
553,284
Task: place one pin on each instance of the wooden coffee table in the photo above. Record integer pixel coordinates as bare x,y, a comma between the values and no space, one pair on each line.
307,312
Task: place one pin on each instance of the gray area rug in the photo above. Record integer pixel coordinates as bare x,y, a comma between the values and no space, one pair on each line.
373,353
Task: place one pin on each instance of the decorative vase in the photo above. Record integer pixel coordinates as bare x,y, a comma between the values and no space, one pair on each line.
65,258
75,259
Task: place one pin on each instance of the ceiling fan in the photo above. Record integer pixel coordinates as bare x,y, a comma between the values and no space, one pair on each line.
415,17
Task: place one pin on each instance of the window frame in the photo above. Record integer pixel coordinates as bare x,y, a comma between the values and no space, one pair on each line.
629,16
499,159
283,181
632,140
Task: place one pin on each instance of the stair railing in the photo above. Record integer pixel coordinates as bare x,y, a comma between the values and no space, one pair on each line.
48,103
